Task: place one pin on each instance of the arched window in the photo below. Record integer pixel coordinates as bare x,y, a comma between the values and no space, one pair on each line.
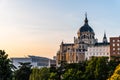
84,36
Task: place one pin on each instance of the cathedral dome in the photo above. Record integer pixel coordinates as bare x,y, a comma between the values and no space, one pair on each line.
86,27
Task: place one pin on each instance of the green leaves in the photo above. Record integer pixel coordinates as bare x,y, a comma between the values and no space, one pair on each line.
96,69
40,74
5,66
72,74
24,71
116,75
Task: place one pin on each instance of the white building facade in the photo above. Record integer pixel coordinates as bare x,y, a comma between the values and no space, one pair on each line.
98,50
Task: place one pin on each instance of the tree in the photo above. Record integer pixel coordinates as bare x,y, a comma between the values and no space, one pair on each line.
90,68
74,71
97,69
44,73
53,76
40,74
24,71
5,66
116,74
61,69
72,74
112,65
53,73
101,70
35,74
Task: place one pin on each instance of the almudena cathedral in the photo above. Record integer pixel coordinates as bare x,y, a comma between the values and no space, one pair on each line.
84,47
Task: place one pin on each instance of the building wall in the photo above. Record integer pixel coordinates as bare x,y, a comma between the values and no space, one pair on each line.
115,46
35,61
16,61
98,51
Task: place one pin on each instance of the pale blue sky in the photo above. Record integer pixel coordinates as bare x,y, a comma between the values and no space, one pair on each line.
37,27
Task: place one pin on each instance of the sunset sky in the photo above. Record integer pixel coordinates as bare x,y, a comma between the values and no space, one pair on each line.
37,27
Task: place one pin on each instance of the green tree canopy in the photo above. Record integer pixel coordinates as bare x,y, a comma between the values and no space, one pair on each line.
116,74
40,74
5,66
72,74
96,69
24,71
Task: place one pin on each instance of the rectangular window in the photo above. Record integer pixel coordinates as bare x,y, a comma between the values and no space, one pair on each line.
103,53
113,44
113,52
118,44
113,49
113,40
118,49
96,53
118,40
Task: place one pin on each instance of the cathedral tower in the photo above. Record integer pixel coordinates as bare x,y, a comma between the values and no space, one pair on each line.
86,33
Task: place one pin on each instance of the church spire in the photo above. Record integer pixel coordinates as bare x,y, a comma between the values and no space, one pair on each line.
104,34
105,38
86,20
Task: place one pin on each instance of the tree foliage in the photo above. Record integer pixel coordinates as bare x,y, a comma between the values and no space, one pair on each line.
72,74
53,76
116,74
40,74
97,68
24,71
90,68
5,66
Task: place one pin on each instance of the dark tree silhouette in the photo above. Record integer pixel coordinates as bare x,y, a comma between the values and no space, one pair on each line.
5,66
24,71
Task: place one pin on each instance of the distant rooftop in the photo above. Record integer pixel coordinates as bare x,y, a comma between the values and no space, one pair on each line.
101,44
